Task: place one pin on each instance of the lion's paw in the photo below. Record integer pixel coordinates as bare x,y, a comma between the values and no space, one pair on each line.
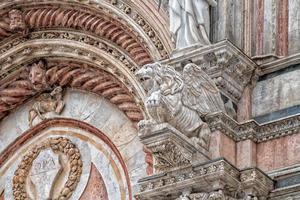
154,99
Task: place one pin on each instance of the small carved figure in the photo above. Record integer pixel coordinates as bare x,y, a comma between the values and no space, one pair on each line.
17,22
45,103
37,76
183,101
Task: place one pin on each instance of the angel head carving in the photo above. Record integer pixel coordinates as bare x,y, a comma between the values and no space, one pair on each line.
37,76
17,22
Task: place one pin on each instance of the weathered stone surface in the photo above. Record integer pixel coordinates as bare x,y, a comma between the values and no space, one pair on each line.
276,92
44,171
293,26
278,153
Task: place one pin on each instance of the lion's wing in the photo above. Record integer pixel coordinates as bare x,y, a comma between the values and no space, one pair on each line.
200,92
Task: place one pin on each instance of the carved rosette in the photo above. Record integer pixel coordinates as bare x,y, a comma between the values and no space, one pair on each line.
58,145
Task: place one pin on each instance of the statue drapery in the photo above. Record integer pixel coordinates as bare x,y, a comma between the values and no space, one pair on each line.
190,21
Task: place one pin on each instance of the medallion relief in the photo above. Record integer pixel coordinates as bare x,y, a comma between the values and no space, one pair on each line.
50,170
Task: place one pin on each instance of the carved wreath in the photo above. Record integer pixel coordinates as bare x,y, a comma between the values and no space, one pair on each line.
62,145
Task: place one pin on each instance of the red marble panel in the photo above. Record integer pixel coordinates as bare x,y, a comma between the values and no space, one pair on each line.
279,153
2,196
222,146
95,189
246,154
283,28
259,26
244,111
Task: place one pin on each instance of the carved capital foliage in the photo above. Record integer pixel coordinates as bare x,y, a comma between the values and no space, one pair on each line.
57,145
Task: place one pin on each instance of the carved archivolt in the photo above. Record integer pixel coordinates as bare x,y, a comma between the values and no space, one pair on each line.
74,75
58,145
142,44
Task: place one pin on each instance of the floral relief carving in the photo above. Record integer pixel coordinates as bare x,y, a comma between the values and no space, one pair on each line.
58,145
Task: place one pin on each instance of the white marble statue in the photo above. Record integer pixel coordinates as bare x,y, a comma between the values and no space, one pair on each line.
190,21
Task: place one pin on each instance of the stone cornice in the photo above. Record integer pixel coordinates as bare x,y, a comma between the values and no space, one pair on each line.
228,66
279,64
210,176
251,129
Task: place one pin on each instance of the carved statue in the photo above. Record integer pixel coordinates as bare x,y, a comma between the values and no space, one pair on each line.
190,21
180,100
17,22
37,76
45,103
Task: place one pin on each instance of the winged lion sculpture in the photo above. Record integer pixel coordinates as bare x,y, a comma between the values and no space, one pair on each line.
182,100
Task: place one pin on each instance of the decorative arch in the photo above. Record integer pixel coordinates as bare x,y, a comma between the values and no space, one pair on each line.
93,46
51,129
115,21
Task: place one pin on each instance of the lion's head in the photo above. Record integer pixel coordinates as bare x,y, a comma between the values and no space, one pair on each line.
156,76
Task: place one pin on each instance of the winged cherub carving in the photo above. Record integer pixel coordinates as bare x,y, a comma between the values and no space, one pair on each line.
183,101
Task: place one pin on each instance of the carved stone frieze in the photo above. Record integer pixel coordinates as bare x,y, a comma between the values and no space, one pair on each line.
54,35
57,145
209,177
217,180
216,195
251,129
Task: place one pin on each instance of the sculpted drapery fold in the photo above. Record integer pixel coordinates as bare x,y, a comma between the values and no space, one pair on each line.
190,22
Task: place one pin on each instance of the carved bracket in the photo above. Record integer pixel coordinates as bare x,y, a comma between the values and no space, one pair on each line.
170,148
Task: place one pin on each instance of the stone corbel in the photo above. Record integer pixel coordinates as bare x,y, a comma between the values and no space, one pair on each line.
255,183
170,148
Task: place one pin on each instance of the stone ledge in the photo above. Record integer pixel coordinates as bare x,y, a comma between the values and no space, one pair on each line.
208,177
205,177
251,129
279,64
